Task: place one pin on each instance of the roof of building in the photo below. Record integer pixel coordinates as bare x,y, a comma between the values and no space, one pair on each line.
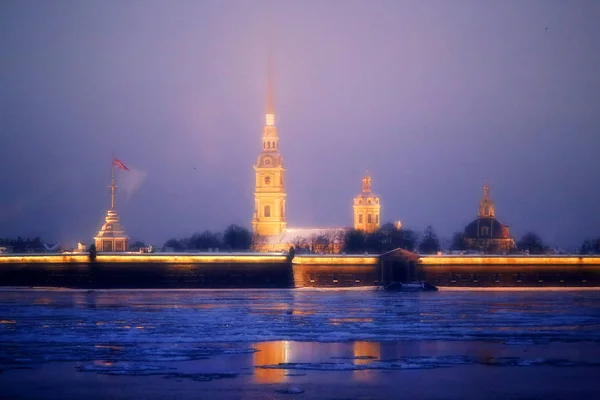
495,229
112,228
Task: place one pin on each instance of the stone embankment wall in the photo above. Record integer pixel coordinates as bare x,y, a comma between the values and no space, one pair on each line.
252,270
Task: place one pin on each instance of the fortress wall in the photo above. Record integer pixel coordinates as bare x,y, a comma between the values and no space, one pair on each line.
510,271
509,260
147,271
336,271
255,270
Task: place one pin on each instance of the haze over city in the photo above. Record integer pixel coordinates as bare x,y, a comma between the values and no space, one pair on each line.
431,97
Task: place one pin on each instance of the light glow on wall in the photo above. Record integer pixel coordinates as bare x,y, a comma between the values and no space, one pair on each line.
496,260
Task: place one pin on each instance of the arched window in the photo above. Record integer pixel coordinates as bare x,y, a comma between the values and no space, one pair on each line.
267,180
267,211
360,218
376,218
369,201
485,231
369,218
269,145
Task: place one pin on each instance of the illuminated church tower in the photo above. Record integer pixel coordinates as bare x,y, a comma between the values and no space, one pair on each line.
112,236
367,209
269,193
486,206
486,233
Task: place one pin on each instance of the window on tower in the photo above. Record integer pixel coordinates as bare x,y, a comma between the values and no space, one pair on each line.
268,145
267,211
360,218
377,218
267,180
369,218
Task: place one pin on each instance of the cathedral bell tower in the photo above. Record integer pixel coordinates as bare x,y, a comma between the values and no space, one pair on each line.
269,193
367,209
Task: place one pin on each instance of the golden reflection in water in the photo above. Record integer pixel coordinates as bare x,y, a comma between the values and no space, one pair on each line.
364,353
270,353
42,301
339,321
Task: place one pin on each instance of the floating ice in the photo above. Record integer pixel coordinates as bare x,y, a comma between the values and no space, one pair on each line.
152,326
291,390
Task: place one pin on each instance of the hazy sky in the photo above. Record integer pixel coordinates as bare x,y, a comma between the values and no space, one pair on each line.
432,97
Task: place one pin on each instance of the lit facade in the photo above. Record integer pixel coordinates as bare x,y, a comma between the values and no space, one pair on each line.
112,236
367,208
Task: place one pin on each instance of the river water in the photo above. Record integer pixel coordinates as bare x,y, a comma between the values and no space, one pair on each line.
343,344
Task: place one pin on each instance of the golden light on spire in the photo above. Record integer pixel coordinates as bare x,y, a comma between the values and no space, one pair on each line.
270,120
270,117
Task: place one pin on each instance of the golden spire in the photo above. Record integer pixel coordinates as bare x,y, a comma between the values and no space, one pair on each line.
486,206
270,117
366,182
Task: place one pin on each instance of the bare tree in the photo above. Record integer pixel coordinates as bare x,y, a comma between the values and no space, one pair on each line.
258,242
299,243
312,242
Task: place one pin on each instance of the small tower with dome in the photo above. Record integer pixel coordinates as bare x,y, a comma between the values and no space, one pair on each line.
487,233
112,236
367,208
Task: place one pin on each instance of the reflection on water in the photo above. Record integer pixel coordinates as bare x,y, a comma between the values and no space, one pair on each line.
270,353
364,353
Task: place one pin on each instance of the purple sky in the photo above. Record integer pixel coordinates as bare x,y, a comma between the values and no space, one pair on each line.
432,97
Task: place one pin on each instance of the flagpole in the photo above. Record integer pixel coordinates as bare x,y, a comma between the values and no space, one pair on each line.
112,187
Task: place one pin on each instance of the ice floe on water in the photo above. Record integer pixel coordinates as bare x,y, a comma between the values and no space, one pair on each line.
430,363
123,368
137,369
146,327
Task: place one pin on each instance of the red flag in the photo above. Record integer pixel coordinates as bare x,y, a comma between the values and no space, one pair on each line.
120,165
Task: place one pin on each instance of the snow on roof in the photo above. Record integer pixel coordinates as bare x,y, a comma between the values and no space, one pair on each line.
292,234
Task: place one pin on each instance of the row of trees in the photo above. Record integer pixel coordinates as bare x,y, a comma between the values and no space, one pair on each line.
234,238
530,242
21,245
385,239
590,246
